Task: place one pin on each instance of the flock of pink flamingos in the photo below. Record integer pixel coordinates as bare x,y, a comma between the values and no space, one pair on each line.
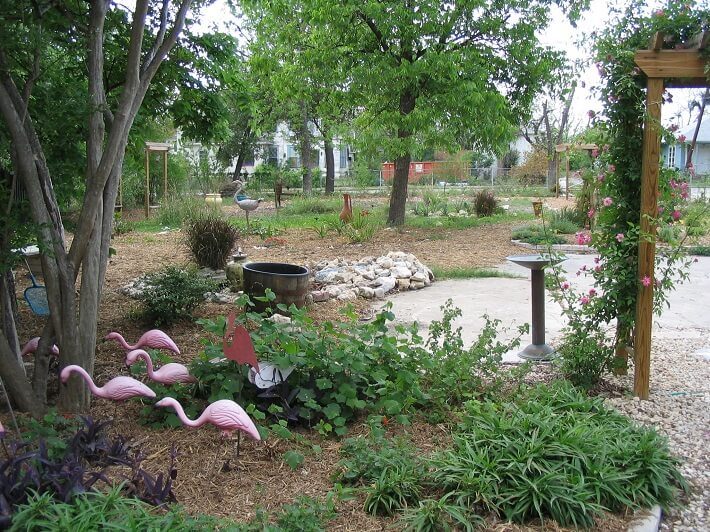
224,414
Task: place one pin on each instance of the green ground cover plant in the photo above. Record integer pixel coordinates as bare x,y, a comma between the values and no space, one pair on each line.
548,452
470,273
537,234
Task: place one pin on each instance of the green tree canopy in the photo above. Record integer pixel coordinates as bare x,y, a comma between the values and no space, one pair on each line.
426,73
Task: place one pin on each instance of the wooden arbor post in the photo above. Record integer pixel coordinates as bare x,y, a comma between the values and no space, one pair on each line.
160,147
664,68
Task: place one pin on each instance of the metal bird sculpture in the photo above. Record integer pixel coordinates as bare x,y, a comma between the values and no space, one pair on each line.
31,346
166,374
247,205
237,344
117,389
346,215
153,339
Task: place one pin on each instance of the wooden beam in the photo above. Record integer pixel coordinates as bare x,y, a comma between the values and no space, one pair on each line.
656,42
647,240
698,41
671,63
147,183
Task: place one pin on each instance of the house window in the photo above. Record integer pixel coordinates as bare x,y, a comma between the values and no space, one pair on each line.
671,157
272,155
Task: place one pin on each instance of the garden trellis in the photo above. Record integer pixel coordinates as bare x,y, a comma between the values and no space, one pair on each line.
159,147
682,67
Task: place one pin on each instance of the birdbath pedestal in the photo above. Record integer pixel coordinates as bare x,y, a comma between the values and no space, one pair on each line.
538,349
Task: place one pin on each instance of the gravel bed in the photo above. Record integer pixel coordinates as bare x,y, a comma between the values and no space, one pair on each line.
679,407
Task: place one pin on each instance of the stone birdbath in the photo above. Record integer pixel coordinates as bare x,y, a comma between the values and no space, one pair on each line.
538,349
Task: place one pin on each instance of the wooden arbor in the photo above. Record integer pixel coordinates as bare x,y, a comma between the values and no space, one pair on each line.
664,68
565,148
159,147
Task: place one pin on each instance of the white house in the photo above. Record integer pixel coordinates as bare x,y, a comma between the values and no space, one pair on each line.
282,150
675,155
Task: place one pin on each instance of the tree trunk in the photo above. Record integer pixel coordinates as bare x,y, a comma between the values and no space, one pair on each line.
241,156
329,166
305,149
694,140
75,321
398,197
552,177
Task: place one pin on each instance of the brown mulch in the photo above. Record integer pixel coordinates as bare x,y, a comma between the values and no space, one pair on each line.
211,479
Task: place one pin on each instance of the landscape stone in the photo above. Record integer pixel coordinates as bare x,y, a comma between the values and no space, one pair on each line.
403,284
400,272
366,292
320,295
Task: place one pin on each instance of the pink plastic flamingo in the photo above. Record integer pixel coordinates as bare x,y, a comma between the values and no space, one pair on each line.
224,414
153,339
31,347
117,389
166,374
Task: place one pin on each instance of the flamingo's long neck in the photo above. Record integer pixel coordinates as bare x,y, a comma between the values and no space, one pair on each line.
148,364
186,420
89,381
122,342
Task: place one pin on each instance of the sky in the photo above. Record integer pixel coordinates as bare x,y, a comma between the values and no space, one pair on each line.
560,35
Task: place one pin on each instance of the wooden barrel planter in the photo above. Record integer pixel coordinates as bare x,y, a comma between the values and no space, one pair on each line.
288,281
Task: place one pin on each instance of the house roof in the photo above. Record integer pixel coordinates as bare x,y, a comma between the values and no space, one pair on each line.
703,134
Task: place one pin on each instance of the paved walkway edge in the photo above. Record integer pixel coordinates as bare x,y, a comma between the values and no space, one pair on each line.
646,520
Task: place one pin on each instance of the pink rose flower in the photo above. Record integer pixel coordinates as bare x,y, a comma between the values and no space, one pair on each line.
584,300
598,268
676,215
565,285
619,237
591,114
600,178
673,128
659,13
595,153
592,292
607,201
591,212
646,281
681,138
612,168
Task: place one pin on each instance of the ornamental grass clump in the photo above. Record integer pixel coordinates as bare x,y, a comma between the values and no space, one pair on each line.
211,239
554,453
485,203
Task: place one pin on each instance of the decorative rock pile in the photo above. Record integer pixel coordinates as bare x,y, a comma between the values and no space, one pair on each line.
369,277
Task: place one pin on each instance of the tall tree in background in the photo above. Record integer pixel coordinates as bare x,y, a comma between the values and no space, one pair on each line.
306,77
550,125
424,71
32,32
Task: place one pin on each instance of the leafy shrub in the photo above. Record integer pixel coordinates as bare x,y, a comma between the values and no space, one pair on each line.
567,214
584,357
485,203
121,226
211,239
537,235
533,170
457,373
554,453
562,226
172,294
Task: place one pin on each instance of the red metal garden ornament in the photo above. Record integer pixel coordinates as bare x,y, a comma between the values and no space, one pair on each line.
237,344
